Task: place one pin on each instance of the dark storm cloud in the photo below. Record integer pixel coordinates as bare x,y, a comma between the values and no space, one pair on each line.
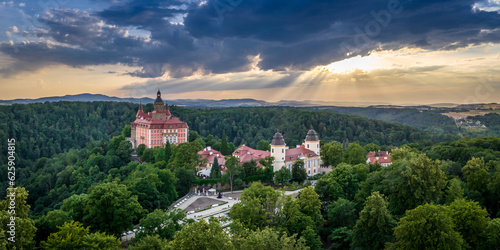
32,56
80,28
292,35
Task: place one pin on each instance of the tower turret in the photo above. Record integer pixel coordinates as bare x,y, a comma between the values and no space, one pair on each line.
278,148
158,104
312,141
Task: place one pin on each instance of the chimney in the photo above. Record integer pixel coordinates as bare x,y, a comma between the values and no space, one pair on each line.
211,153
209,148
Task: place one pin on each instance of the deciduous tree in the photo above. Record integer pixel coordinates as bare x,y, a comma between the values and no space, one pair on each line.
201,235
282,176
426,227
331,154
233,169
299,174
163,224
470,220
374,226
355,154
264,145
111,208
310,205
24,228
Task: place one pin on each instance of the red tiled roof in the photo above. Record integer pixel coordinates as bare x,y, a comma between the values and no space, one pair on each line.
246,153
293,154
205,154
380,157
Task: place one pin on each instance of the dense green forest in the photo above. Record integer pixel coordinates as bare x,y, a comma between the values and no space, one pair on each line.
427,120
440,192
46,129
250,125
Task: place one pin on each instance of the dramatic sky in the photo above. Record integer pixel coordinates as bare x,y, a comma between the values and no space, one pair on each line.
377,51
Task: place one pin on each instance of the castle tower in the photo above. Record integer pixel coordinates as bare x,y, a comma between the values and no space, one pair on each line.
159,105
312,141
278,148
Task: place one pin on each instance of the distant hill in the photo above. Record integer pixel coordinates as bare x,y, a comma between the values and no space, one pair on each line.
225,103
77,98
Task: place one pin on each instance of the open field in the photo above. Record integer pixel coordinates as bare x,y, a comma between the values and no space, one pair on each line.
456,115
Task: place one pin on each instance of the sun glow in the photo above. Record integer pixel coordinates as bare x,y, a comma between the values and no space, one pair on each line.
349,65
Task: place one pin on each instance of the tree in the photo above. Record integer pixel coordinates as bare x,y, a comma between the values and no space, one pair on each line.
69,236
268,239
149,242
185,155
492,234
426,227
267,164
193,135
99,241
372,147
310,205
251,212
282,176
24,228
341,182
374,226
408,183
74,205
262,206
341,238
341,213
111,208
355,154
163,224
201,235
470,220
223,145
477,175
147,195
140,149
185,180
331,154
73,235
215,171
50,222
312,239
361,171
298,172
168,151
263,145
233,169
148,155
250,168
402,153
126,131
454,190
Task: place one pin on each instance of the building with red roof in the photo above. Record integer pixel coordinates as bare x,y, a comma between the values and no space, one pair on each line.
210,154
246,153
382,157
157,127
309,152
